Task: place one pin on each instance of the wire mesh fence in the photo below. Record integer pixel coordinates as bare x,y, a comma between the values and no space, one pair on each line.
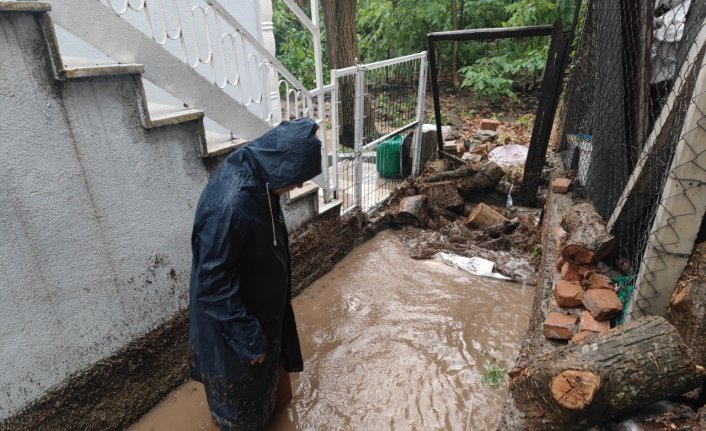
378,108
631,83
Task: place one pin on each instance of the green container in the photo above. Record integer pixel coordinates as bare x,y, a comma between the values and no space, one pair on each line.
387,157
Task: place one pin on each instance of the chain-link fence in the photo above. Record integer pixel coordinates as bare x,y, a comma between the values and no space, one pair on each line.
624,118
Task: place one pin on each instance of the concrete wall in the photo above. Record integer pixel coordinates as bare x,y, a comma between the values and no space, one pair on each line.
95,217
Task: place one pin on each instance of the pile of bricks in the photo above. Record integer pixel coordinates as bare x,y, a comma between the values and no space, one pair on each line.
479,145
584,301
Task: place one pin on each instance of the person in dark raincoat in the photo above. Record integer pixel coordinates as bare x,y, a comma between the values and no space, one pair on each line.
241,323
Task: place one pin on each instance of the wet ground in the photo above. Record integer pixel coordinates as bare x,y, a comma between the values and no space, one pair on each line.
389,343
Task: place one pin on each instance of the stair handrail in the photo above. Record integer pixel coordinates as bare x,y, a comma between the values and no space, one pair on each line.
263,65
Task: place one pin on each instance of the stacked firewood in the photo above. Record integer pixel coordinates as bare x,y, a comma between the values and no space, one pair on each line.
585,299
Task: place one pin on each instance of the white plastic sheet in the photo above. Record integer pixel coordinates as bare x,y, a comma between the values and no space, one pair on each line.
473,265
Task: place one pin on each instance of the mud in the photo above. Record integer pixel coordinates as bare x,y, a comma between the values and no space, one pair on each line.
110,394
389,343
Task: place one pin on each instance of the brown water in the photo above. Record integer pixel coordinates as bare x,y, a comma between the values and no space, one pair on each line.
389,343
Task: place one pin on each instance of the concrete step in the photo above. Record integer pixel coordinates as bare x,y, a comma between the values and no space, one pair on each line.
309,188
78,67
163,115
24,6
218,144
334,205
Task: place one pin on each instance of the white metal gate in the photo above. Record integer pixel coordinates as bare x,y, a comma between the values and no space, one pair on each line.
387,100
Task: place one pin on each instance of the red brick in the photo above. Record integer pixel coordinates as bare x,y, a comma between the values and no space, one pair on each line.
560,326
560,263
602,303
599,281
570,272
561,185
487,124
580,336
568,293
588,323
586,273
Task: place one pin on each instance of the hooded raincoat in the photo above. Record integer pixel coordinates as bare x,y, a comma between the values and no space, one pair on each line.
240,279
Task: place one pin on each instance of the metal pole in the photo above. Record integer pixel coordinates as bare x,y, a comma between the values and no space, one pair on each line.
417,140
492,33
321,99
435,91
334,129
358,134
543,120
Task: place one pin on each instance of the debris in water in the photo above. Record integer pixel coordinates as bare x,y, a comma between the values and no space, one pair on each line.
474,265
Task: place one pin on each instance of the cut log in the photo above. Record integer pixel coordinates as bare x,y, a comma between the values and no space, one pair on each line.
588,240
504,228
604,376
687,312
442,194
574,389
486,177
467,208
463,171
470,177
484,216
412,211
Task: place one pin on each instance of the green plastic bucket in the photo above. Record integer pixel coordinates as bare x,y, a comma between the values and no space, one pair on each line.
387,157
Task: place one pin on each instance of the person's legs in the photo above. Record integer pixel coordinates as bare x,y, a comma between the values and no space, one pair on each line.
247,402
284,388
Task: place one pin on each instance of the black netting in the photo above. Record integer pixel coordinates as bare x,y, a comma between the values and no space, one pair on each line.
630,83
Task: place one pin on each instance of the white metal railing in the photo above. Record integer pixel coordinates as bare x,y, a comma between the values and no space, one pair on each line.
210,38
205,57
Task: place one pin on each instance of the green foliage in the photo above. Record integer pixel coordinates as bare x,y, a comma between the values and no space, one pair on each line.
445,120
491,77
391,28
526,120
537,251
295,46
493,375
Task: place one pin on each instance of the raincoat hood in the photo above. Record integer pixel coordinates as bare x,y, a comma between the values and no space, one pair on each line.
286,155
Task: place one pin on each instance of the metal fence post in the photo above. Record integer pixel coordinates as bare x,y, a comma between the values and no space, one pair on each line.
334,134
417,140
359,118
679,214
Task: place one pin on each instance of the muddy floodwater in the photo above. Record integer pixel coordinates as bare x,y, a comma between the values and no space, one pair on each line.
389,343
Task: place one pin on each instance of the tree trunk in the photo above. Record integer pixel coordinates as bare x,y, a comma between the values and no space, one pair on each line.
342,44
606,375
588,240
454,51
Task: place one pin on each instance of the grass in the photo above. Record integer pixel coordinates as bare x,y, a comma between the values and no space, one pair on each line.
493,375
